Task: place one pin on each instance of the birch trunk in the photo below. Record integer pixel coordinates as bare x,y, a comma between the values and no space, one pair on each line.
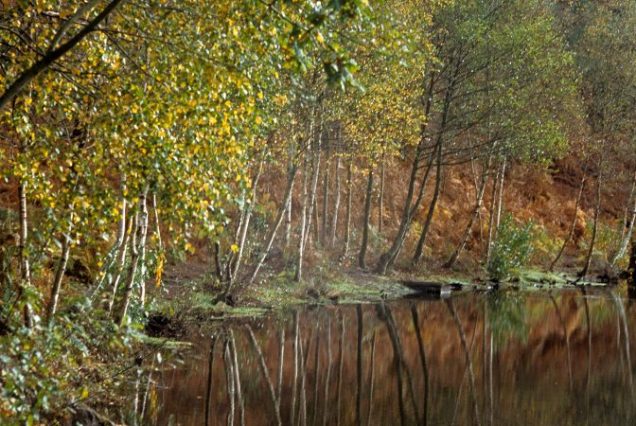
303,225
281,366
316,379
155,211
325,203
25,267
473,217
632,263
468,360
340,370
137,248
570,234
279,219
419,250
237,379
208,393
628,225
112,262
229,379
59,272
245,227
142,249
365,221
388,258
381,195
597,212
288,217
347,235
448,96
359,366
336,205
491,218
121,261
410,208
292,412
328,375
371,380
422,351
500,193
313,201
265,373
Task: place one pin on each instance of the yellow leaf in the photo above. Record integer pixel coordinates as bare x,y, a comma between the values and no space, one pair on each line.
159,271
320,38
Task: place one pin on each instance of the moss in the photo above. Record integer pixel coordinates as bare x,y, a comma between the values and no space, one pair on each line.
280,290
532,279
362,289
163,342
533,276
202,300
205,304
238,311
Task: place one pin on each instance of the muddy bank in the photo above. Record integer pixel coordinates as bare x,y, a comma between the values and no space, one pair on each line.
278,293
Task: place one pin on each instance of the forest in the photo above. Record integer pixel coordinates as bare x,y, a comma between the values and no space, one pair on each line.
170,166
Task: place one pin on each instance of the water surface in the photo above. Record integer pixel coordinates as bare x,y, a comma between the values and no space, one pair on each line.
513,358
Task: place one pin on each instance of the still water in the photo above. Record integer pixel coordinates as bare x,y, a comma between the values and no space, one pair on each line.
507,358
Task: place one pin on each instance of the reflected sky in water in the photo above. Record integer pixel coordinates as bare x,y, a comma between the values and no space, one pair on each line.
506,358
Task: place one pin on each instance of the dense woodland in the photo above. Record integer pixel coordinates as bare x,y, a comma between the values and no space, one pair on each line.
289,138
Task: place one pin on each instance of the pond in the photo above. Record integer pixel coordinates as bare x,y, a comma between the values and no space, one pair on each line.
505,358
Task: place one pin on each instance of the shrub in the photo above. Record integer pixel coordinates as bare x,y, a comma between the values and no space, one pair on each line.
608,238
512,248
45,370
545,246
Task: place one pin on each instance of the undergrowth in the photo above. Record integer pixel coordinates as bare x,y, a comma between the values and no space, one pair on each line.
48,371
512,249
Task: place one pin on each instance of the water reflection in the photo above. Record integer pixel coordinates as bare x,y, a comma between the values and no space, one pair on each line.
503,358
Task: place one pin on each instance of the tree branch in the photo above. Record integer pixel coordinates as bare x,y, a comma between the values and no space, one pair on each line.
47,60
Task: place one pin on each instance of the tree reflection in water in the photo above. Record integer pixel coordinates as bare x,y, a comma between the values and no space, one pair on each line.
529,358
